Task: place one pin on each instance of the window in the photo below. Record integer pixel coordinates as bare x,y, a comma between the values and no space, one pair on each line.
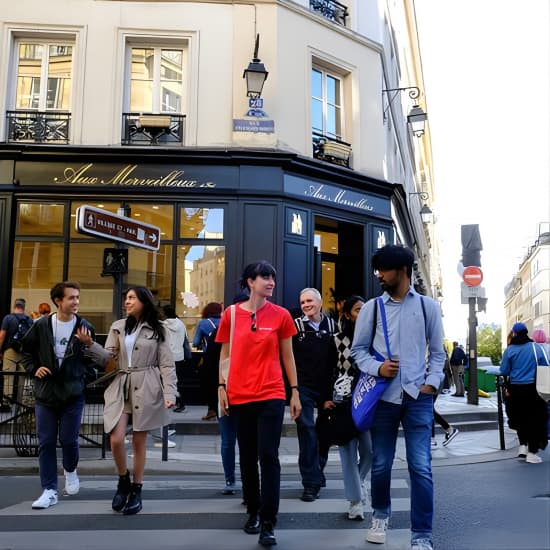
326,104
44,76
156,80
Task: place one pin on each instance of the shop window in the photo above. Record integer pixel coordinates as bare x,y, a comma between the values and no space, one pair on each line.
43,89
200,279
37,266
152,270
201,223
158,215
40,218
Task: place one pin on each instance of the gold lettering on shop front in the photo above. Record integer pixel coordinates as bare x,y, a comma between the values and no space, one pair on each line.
83,176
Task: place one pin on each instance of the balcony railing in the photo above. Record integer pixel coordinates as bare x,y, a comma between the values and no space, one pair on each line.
152,129
38,126
331,149
331,9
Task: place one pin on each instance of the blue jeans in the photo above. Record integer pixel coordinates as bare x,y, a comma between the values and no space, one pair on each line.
353,472
50,422
416,416
228,431
310,461
259,427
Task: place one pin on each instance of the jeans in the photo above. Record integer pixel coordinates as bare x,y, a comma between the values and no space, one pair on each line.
50,421
259,427
416,416
353,472
228,431
310,461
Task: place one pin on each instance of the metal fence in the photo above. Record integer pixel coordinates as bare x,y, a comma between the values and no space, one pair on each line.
18,422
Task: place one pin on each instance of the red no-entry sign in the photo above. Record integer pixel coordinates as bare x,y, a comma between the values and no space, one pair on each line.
472,275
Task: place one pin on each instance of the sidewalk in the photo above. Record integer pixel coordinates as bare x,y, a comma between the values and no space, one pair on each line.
197,444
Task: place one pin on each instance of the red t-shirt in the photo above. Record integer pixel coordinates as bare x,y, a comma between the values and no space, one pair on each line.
255,372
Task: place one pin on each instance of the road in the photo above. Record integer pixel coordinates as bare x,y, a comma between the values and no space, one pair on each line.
502,505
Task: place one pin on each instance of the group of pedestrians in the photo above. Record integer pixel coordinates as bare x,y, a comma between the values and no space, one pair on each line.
397,337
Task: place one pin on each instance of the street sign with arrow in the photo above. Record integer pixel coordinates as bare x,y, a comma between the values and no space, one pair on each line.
102,223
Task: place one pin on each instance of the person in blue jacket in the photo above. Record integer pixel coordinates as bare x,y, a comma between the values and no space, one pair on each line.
519,361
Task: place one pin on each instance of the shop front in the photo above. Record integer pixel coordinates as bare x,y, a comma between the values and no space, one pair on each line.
216,211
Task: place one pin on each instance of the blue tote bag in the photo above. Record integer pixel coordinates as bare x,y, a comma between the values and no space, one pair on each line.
370,388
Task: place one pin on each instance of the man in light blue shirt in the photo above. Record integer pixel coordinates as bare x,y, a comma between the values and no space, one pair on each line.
415,368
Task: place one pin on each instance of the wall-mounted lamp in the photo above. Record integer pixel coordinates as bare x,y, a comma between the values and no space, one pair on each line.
255,73
425,212
417,117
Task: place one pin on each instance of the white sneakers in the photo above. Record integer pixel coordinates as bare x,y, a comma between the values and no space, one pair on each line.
47,498
532,458
522,451
356,511
72,483
377,533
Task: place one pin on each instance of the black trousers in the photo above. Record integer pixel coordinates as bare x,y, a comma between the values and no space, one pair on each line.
259,427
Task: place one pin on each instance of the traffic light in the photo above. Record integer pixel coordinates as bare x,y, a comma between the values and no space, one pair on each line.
471,245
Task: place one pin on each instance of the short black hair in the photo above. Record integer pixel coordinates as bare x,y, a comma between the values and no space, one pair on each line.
393,256
58,290
169,311
261,268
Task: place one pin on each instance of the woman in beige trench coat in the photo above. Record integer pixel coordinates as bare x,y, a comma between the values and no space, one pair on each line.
142,390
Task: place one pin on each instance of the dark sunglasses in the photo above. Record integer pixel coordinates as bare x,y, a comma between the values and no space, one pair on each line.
253,319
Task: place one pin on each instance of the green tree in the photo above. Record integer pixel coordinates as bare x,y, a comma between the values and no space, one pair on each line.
489,342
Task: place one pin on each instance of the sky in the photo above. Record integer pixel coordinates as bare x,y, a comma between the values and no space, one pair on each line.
486,68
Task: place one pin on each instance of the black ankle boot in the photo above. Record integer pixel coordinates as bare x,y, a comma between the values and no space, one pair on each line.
122,492
133,504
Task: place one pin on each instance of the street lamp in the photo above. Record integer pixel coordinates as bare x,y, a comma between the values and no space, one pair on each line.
425,213
417,117
255,73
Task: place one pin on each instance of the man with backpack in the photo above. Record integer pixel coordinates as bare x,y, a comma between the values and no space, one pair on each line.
14,326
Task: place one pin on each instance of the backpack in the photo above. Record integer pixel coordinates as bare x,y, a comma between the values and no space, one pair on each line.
24,323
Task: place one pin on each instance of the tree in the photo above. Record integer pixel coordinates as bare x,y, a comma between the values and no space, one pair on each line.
489,342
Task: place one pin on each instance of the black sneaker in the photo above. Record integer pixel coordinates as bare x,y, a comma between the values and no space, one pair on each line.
450,436
310,494
267,536
252,525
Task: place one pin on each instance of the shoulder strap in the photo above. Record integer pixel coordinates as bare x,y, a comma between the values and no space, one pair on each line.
425,318
384,325
374,320
300,327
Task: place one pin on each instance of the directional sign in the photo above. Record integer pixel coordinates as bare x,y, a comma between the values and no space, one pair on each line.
102,223
472,275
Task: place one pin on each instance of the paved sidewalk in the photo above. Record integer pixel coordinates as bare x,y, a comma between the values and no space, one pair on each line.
200,453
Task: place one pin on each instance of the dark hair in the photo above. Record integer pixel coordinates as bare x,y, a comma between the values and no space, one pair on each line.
212,309
393,256
169,312
44,308
261,268
348,327
150,314
58,290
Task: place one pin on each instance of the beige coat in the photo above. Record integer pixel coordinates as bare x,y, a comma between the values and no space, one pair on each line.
151,383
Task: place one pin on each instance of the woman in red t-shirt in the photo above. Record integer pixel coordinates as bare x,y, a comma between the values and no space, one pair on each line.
255,392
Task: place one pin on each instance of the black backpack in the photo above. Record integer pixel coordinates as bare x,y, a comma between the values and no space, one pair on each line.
24,323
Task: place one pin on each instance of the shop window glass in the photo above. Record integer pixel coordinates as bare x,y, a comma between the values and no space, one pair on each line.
37,267
201,223
158,215
152,270
96,293
200,279
35,218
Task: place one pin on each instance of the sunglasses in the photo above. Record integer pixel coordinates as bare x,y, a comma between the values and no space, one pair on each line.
253,319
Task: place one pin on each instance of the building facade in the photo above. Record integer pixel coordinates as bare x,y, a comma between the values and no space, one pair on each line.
141,109
527,295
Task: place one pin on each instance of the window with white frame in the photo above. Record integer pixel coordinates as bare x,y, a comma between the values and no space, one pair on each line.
44,76
157,78
326,103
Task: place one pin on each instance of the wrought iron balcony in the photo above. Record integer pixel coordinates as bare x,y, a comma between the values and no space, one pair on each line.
152,129
331,149
331,9
38,126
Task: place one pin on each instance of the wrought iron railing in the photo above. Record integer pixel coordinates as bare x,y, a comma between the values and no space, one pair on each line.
331,149
38,126
152,129
331,9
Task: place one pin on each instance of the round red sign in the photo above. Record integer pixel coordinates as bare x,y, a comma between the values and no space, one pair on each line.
472,275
